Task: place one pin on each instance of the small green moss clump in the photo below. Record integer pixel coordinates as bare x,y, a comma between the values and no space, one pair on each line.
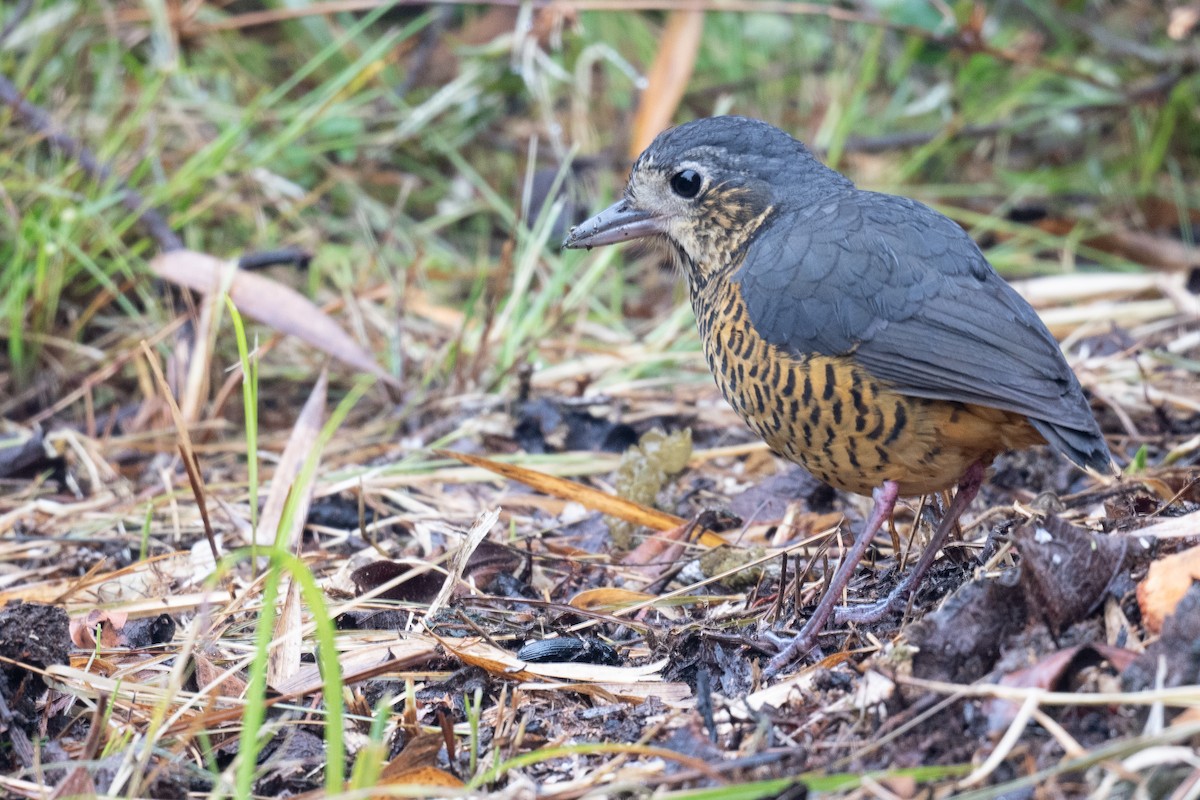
645,469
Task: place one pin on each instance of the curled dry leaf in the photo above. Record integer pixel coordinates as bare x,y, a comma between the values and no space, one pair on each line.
416,764
269,302
961,641
1065,569
405,581
1165,584
83,631
208,673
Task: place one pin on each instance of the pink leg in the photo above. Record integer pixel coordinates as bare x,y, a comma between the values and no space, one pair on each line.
968,487
885,502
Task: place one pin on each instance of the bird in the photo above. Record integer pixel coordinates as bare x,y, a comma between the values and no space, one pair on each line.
864,336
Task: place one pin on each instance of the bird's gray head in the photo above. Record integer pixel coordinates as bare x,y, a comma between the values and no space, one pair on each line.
706,187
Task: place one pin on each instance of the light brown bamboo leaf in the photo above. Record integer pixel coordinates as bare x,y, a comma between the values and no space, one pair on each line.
284,660
608,598
458,563
674,693
364,661
301,444
596,500
196,356
269,302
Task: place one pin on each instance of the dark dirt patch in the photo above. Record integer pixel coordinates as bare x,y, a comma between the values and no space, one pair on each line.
35,636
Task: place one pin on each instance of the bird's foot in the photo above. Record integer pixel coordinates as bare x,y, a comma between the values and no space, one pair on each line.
968,487
885,501
802,644
873,612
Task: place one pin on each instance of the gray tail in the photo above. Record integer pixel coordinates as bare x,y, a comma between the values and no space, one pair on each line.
1085,448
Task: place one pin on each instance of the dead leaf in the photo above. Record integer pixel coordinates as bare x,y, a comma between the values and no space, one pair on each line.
1148,249
269,302
1173,660
961,641
797,687
491,560
1050,674
416,764
193,356
420,585
658,553
483,523
1165,584
363,661
301,442
83,631
589,498
1172,528
284,659
675,693
422,776
207,673
77,783
1066,569
608,599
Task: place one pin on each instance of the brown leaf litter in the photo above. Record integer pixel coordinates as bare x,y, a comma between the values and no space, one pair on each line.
1052,598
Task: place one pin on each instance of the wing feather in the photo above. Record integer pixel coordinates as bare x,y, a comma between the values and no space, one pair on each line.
907,292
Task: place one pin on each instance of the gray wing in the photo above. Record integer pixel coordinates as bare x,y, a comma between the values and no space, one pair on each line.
911,295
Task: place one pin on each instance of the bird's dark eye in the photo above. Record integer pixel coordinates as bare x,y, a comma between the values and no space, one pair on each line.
686,183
